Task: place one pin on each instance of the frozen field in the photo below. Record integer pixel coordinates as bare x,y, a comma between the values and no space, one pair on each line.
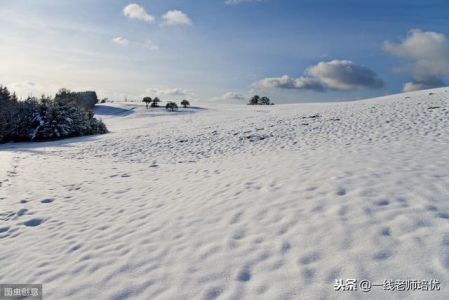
234,202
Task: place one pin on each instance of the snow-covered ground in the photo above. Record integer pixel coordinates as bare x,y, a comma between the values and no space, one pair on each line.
234,202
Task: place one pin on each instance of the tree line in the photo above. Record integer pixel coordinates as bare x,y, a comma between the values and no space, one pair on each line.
155,103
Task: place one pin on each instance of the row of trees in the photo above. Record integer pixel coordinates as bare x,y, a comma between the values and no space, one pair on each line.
68,114
154,102
256,100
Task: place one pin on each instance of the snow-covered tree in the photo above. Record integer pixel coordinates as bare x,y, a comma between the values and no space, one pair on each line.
67,115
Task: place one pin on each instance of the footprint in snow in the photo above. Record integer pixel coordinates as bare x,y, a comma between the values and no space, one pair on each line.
285,247
4,229
22,212
443,215
383,203
239,234
383,255
310,258
48,200
341,192
244,275
33,222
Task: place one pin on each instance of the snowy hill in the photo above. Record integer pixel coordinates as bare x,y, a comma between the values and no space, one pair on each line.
235,202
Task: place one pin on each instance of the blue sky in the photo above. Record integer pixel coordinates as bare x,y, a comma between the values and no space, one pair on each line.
227,51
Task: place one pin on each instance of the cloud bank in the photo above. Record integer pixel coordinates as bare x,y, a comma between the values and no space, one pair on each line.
429,54
135,11
340,75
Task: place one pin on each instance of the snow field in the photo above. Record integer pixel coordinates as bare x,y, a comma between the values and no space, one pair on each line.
234,202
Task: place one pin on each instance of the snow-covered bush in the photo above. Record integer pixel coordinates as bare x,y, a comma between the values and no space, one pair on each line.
61,118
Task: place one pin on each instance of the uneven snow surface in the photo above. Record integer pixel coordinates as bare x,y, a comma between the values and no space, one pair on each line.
234,202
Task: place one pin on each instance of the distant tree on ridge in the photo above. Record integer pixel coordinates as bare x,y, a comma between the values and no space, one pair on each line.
147,101
171,106
257,100
265,100
254,100
156,100
185,103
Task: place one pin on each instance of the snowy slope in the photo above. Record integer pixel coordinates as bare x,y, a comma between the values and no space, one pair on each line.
234,202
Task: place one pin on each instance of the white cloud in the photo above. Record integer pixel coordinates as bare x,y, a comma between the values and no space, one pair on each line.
415,86
345,75
167,92
228,97
135,11
121,41
334,75
240,1
429,54
233,96
307,83
176,17
421,83
286,82
150,45
419,45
